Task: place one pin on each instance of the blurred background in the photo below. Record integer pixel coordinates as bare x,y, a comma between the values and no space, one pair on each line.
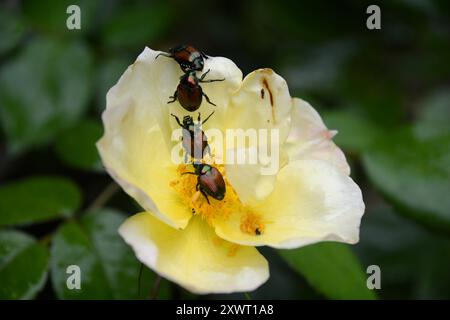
386,91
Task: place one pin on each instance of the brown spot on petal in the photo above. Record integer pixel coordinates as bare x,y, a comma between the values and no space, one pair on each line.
262,94
266,85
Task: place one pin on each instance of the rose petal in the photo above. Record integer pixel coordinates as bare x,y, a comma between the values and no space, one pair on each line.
312,201
309,138
262,103
195,257
134,153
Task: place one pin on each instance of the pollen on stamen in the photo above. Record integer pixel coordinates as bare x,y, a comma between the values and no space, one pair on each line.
251,223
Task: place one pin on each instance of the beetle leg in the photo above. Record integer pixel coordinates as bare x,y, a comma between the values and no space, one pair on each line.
199,117
204,75
208,81
174,97
178,120
214,80
163,54
207,99
197,186
205,195
188,173
203,55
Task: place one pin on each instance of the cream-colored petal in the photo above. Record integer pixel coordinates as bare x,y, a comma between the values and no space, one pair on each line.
262,102
309,138
135,154
147,84
253,182
261,108
195,257
312,201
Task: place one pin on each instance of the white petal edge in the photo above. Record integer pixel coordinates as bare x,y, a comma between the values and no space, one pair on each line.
309,138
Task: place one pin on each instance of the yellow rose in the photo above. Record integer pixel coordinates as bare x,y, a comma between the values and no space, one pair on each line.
210,248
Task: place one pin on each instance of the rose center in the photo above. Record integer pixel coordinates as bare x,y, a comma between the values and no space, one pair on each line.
185,186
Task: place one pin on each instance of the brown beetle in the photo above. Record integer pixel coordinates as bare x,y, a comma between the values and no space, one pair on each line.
188,57
195,141
210,181
189,93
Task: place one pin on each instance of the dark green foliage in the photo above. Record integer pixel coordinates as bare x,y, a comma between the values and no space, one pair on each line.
386,91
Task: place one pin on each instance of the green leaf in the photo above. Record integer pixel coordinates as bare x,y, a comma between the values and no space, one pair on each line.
378,100
76,146
434,116
23,265
394,243
11,30
433,277
44,90
37,199
355,133
414,175
109,269
137,25
332,269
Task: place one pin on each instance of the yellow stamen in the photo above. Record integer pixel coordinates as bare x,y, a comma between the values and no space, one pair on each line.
185,186
251,224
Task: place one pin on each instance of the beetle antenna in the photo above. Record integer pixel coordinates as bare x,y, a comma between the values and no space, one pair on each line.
183,173
204,75
208,117
177,119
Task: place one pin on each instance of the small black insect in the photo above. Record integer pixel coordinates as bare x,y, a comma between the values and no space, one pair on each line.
188,57
195,141
209,181
189,92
